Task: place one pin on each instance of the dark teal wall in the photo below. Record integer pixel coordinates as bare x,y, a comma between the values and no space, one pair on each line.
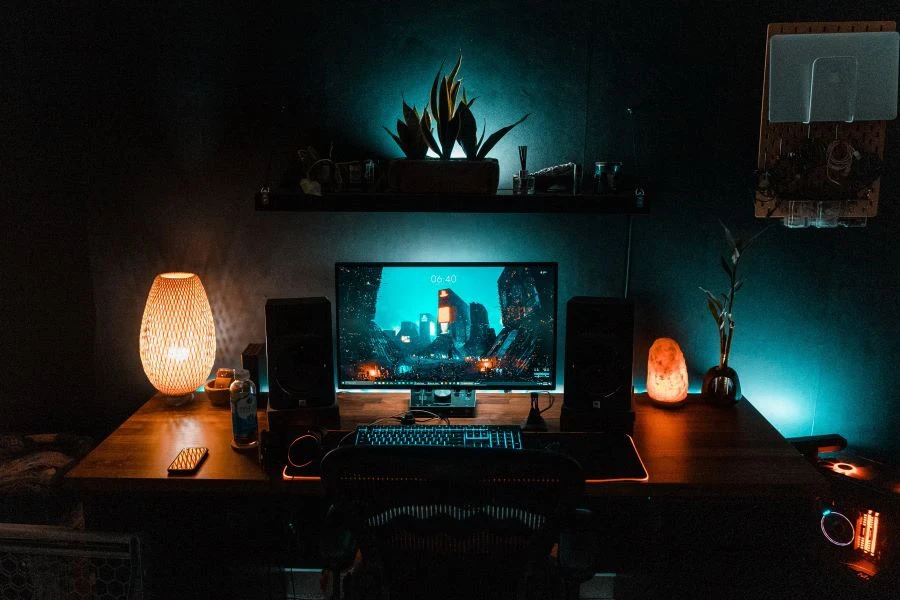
175,115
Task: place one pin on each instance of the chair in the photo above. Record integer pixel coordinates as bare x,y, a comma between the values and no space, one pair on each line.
453,522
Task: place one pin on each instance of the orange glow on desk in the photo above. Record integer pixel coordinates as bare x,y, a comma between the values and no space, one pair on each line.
844,469
645,478
853,470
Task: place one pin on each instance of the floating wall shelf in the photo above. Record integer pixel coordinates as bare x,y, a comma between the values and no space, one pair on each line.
613,204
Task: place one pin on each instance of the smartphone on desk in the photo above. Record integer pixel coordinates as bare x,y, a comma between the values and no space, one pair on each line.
188,461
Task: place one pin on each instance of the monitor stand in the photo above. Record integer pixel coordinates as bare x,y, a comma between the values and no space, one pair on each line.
445,402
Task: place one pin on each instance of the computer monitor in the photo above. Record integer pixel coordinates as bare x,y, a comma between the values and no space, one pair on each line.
444,330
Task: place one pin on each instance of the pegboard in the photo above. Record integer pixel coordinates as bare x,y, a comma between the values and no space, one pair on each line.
776,138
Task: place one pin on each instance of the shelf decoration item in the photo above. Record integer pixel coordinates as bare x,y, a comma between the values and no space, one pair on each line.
178,336
667,376
606,177
454,122
721,385
321,173
523,181
562,179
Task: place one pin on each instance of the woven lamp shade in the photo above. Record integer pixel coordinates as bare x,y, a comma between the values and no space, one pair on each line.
178,336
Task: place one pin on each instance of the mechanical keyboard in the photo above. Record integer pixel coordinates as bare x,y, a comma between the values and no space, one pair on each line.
460,436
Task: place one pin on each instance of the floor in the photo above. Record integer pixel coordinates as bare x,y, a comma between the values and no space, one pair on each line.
599,588
305,584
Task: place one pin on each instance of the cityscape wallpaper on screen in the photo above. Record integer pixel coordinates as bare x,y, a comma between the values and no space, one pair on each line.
466,325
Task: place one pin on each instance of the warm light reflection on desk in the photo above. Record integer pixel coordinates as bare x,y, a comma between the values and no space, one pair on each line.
182,430
668,434
854,471
844,469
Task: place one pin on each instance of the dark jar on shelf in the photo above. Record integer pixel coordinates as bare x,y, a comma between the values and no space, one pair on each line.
606,177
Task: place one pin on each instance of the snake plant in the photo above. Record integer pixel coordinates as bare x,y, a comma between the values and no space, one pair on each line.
445,110
413,132
477,149
455,123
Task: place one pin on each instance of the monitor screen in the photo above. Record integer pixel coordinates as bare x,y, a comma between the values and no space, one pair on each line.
466,325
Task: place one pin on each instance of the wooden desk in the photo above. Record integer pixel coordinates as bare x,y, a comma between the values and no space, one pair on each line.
727,498
697,450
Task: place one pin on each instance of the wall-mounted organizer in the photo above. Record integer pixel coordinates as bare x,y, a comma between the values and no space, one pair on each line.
822,174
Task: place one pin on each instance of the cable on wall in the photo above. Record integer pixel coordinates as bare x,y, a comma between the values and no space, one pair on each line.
630,219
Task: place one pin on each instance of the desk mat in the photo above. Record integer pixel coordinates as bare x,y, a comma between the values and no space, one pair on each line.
604,457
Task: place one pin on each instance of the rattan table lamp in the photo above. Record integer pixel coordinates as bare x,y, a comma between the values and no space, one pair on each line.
178,335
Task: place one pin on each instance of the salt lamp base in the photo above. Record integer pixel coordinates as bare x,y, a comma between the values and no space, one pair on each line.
668,404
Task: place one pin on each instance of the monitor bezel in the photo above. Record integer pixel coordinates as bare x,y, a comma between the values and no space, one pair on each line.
551,383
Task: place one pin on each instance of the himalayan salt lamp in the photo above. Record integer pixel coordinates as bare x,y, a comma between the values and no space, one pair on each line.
667,378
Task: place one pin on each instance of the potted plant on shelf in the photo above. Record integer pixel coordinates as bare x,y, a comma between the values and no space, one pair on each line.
721,384
455,122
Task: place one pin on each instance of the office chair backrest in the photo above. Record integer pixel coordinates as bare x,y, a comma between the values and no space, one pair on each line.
452,522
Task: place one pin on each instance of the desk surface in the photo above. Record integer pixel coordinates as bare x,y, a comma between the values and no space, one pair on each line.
698,450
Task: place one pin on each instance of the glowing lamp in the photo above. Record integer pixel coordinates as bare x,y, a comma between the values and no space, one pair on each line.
178,336
867,532
667,377
844,468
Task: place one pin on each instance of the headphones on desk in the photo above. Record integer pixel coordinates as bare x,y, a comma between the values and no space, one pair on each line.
306,448
297,449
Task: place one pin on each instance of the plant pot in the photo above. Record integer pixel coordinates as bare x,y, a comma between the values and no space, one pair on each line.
721,386
435,176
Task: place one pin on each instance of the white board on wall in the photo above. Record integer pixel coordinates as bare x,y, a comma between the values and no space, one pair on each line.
842,77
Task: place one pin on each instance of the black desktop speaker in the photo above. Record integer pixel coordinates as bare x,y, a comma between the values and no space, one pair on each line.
253,358
299,353
598,375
